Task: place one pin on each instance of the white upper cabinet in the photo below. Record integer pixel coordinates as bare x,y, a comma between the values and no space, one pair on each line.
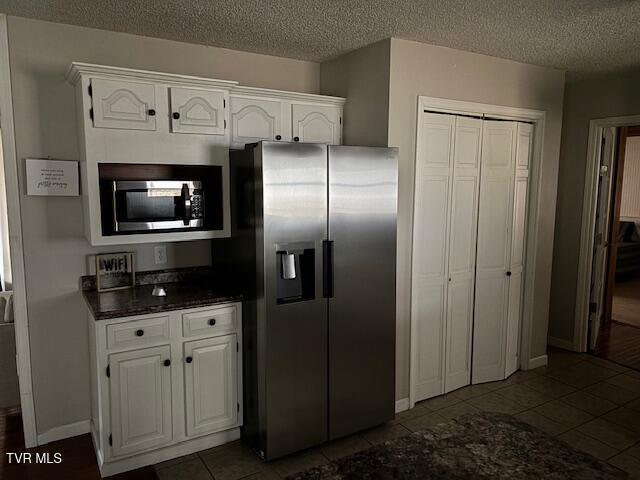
316,124
198,111
255,119
123,104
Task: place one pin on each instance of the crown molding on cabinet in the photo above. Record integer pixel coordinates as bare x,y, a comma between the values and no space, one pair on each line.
284,95
77,69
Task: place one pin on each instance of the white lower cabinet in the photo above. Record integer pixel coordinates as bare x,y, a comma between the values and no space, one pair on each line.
158,397
211,389
141,410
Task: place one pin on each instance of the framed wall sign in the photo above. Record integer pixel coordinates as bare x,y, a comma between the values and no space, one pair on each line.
52,177
115,271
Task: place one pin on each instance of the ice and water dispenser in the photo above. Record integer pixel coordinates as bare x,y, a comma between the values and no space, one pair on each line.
295,272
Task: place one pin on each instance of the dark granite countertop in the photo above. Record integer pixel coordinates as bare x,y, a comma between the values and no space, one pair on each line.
188,292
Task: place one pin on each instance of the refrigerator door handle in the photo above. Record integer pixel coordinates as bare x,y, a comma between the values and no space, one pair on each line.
327,268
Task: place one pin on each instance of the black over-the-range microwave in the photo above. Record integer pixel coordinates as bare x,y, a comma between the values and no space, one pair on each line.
143,198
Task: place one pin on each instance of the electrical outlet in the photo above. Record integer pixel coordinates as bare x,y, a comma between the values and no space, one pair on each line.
160,254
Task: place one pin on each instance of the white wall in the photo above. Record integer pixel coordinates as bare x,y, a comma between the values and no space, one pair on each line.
361,76
420,69
586,99
55,250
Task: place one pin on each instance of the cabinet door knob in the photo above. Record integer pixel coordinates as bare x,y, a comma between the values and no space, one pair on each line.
296,139
140,332
188,359
278,137
176,115
167,362
508,274
151,112
212,321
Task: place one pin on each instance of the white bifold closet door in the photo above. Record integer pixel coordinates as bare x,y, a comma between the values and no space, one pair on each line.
506,148
444,245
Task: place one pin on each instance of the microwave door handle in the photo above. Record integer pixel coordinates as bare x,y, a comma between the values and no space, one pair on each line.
186,198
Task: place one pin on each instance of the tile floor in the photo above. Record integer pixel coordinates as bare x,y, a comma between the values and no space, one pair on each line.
590,403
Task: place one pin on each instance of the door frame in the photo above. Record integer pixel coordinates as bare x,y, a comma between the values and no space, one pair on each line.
21,320
538,119
587,231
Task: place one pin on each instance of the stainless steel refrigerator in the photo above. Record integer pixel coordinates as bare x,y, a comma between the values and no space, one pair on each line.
313,247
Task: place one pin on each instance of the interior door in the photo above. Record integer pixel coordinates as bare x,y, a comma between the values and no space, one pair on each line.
430,253
140,392
493,250
198,111
211,384
254,119
315,124
462,252
524,148
362,308
602,231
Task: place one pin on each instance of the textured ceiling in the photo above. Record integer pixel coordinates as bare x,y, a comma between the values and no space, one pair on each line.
582,36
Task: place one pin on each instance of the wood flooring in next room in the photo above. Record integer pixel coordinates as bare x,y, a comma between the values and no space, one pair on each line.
590,403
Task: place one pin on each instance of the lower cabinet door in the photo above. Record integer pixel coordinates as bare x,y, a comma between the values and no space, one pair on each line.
211,385
141,415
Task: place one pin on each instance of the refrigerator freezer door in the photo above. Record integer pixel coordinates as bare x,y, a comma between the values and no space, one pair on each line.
293,334
362,312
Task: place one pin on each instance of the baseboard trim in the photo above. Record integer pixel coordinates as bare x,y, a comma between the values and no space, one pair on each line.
537,362
402,405
561,343
64,431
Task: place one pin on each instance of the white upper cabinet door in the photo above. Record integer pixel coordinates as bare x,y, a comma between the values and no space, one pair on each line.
430,252
462,251
123,104
140,389
316,124
198,111
253,120
517,259
211,385
493,250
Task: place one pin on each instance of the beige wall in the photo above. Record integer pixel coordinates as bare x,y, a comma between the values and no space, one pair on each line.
420,69
362,77
55,250
608,96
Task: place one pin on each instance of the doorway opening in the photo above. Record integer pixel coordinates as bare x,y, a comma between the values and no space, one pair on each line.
614,327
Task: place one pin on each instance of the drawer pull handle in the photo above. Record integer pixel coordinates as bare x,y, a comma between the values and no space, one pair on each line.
139,333
167,362
278,137
188,359
212,321
151,112
176,115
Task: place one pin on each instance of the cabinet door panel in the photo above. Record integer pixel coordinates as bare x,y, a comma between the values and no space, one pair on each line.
198,111
316,123
140,388
123,104
253,120
211,389
493,251
459,328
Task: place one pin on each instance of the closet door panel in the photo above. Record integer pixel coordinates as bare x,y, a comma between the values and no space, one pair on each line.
494,250
459,329
462,252
429,311
430,253
517,257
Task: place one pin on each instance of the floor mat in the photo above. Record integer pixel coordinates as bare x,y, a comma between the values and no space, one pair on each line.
477,446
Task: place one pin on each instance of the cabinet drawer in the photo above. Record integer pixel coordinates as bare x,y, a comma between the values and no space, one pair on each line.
215,321
138,333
